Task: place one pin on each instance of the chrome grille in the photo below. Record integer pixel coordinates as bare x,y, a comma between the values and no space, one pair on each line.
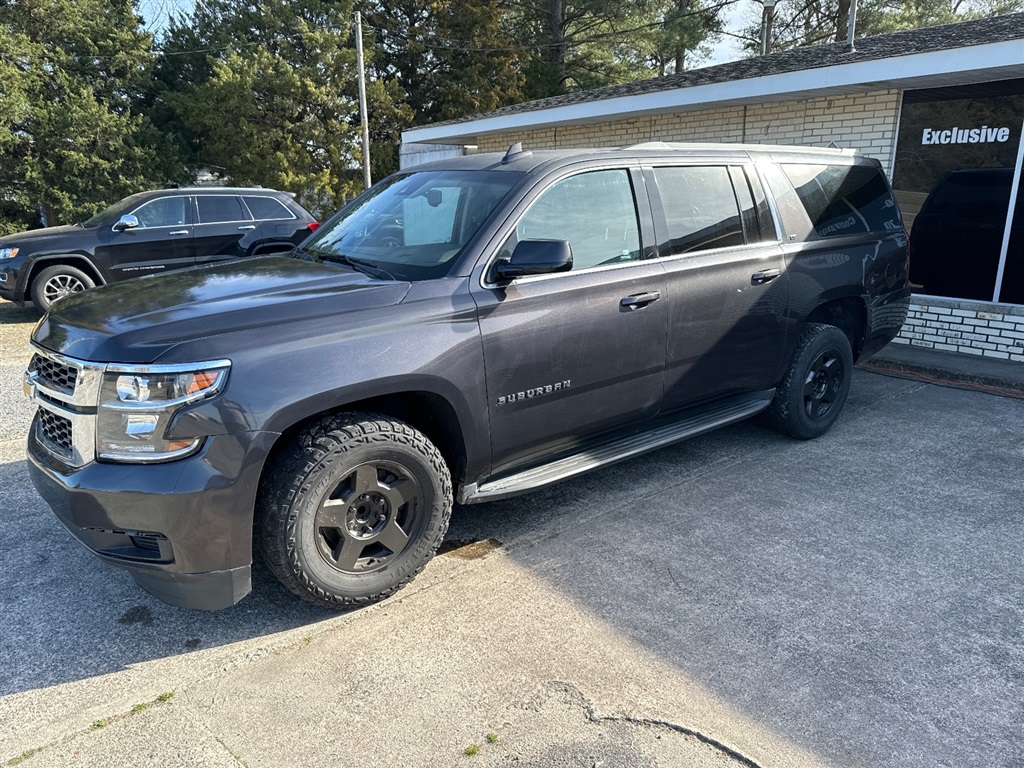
56,430
55,374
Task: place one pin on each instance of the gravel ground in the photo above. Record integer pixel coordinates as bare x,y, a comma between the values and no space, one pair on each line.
16,325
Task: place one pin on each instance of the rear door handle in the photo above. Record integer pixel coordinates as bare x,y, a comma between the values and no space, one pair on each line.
764,276
178,232
640,300
248,226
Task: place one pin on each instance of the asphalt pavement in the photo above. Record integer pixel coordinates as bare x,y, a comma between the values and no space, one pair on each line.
739,599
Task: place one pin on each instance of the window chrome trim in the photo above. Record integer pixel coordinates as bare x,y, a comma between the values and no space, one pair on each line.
718,251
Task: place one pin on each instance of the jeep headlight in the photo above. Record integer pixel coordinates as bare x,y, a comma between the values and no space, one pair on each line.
8,253
138,404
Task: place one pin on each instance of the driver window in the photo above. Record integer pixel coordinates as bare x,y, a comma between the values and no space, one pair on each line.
594,211
162,212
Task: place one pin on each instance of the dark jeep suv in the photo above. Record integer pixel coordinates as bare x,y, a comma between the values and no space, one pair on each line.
149,232
470,329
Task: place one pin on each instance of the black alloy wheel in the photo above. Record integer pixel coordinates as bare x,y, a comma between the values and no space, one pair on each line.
811,394
823,384
369,517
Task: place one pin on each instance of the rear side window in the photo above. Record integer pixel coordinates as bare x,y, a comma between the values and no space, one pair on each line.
844,199
214,208
700,208
267,208
593,211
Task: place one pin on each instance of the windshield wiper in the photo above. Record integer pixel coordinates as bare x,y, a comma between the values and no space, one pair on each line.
361,265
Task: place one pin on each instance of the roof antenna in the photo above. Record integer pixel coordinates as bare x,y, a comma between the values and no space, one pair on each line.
832,145
514,153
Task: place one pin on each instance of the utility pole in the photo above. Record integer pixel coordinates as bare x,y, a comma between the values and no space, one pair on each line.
851,29
362,101
767,19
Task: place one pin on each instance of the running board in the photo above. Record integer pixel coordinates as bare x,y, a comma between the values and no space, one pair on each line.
722,413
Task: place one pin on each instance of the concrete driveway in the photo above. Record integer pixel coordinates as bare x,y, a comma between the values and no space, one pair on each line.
737,600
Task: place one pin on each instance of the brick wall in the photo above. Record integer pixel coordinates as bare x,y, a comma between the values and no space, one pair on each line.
864,121
962,326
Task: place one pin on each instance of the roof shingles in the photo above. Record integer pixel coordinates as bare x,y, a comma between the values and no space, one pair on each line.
983,31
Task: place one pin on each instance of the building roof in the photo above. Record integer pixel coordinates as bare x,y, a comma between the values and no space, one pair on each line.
955,54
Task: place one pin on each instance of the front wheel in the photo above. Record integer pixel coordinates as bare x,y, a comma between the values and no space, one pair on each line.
353,510
811,395
56,282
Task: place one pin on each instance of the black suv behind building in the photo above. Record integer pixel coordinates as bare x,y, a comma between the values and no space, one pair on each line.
149,232
474,328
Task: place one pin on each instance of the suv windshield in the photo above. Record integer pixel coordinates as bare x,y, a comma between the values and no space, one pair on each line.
413,226
113,212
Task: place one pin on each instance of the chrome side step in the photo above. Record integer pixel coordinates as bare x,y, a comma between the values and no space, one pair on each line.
720,414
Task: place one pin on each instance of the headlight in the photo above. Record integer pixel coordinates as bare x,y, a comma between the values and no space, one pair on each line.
138,404
8,253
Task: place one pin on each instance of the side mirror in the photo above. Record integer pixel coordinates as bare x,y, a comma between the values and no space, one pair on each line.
534,257
126,222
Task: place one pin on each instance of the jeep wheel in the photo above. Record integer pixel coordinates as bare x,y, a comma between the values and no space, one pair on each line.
56,282
353,510
812,393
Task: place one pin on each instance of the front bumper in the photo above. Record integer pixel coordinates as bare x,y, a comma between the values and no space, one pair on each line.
183,529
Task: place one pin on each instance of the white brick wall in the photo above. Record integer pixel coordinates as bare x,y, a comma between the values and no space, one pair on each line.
864,121
962,326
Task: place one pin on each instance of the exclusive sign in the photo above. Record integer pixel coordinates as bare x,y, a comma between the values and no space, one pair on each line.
983,135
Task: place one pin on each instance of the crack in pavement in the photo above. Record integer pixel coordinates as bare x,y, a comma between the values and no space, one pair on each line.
576,696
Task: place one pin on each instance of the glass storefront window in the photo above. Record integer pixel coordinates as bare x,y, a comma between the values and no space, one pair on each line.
955,157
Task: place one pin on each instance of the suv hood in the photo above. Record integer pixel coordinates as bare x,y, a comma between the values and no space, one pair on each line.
40,236
139,320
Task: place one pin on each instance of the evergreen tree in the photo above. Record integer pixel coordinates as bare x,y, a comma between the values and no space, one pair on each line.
266,94
73,140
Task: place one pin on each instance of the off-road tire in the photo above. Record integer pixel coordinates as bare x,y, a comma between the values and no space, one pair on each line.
323,465
56,279
802,408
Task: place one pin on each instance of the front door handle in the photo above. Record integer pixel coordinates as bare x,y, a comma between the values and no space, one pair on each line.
640,300
764,276
177,232
248,226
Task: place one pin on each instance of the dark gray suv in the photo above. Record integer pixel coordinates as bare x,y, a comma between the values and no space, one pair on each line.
467,330
146,233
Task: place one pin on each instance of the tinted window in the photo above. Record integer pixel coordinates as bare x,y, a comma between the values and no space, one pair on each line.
844,199
163,212
213,208
593,211
267,208
700,208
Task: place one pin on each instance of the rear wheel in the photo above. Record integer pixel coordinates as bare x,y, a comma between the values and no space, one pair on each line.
811,395
56,282
354,510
